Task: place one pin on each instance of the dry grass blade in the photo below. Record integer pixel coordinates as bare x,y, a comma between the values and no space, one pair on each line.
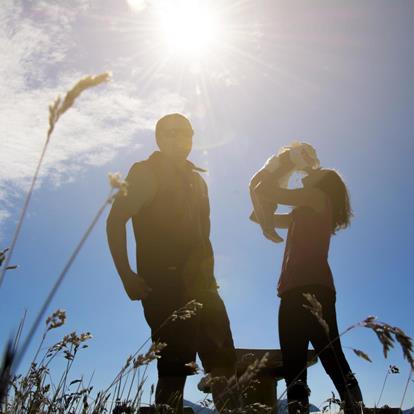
315,308
59,107
406,344
3,258
55,111
5,370
384,333
3,255
361,354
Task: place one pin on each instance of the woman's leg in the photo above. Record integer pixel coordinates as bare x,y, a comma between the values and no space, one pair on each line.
294,340
333,358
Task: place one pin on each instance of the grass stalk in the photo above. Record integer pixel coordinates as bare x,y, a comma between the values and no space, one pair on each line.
57,284
406,387
56,110
383,387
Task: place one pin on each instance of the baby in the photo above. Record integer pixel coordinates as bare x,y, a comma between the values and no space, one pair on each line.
302,156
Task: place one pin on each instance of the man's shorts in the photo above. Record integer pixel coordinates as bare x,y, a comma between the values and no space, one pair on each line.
207,333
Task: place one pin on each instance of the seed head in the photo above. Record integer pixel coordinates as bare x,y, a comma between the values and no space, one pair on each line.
116,182
315,308
55,320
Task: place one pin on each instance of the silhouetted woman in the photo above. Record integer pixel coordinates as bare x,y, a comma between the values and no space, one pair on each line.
321,208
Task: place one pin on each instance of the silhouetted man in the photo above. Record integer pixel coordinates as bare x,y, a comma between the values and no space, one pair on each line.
169,206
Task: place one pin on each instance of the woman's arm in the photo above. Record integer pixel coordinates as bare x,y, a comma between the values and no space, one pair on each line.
282,221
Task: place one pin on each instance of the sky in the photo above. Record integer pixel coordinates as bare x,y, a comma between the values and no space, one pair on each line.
339,75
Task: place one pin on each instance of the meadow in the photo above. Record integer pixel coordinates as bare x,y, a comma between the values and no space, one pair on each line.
38,388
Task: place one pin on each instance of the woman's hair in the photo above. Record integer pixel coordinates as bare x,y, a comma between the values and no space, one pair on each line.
334,187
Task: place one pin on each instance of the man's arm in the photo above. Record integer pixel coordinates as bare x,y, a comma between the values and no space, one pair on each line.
142,187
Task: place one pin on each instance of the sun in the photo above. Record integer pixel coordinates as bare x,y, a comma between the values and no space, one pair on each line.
189,27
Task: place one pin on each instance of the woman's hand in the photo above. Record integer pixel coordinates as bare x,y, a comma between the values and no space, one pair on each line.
271,235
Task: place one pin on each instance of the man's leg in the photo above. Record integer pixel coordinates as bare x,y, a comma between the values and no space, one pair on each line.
217,352
180,350
170,391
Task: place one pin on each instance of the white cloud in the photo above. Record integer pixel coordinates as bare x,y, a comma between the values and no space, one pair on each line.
35,48
138,5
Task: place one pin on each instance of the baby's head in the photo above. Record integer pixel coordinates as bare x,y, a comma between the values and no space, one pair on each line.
302,154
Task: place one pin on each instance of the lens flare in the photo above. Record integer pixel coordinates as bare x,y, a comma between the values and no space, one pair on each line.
189,27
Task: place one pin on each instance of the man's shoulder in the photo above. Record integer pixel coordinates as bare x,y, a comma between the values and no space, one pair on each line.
142,166
139,172
200,183
198,177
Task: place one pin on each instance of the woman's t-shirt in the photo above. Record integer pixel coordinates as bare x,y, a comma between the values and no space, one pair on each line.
305,260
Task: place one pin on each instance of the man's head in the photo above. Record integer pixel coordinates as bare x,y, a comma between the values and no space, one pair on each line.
174,136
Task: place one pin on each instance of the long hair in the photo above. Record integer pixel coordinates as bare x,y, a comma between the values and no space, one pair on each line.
334,187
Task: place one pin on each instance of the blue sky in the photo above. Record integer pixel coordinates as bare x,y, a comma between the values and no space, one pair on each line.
336,74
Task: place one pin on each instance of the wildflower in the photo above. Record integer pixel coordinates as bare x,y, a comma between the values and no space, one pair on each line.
85,336
187,311
117,183
75,339
152,354
55,320
315,308
393,369
332,400
193,367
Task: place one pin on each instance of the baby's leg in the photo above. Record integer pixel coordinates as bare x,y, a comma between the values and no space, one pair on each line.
263,214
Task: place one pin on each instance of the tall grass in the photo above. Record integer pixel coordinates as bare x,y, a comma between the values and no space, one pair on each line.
56,110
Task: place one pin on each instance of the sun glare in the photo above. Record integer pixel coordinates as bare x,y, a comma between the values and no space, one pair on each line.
189,27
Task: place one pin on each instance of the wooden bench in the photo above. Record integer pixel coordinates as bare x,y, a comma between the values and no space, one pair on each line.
265,391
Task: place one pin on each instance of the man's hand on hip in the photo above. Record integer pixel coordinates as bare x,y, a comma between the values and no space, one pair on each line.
135,287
